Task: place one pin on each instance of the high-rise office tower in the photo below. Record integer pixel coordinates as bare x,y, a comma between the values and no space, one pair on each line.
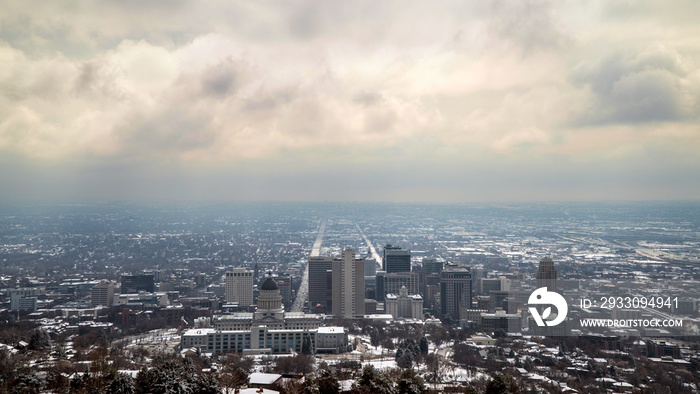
396,259
547,275
102,294
136,283
370,280
432,289
239,287
370,267
455,291
157,274
348,286
477,273
380,286
394,281
428,267
329,292
484,286
318,284
431,266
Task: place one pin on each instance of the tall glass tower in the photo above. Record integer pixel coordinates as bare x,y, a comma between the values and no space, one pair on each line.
547,275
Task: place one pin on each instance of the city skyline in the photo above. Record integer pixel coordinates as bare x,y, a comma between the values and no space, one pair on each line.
622,290
418,102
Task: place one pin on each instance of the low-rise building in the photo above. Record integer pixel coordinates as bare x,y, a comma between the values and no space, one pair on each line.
142,299
269,330
663,349
508,322
22,303
331,340
261,340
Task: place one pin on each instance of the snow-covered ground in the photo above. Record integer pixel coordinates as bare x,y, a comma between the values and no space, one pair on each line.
381,364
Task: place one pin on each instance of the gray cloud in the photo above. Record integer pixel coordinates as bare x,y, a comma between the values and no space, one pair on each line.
175,129
367,98
308,99
531,24
629,87
96,79
265,100
220,80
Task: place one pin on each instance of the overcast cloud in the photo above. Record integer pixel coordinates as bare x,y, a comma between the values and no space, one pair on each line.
350,100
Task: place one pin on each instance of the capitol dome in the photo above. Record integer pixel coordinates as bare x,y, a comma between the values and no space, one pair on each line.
270,298
269,284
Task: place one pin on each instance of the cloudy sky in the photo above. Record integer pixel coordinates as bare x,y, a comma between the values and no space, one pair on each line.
449,101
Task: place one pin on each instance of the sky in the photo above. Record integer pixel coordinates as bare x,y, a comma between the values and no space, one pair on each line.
392,101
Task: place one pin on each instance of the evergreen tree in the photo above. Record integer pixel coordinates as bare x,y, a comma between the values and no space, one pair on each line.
122,384
143,381
502,384
39,340
310,385
410,382
27,382
328,382
79,382
174,376
205,384
306,345
447,320
374,337
423,345
373,381
56,382
405,361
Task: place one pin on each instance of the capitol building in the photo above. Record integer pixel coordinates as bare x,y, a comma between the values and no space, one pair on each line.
268,330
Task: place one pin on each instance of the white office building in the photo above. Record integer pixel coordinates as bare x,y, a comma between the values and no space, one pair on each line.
348,286
403,305
239,287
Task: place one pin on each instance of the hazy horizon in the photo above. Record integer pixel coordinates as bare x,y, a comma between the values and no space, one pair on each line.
310,101
232,204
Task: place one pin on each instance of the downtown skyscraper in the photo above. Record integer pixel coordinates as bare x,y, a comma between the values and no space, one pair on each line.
239,287
319,285
348,286
547,275
455,291
396,259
